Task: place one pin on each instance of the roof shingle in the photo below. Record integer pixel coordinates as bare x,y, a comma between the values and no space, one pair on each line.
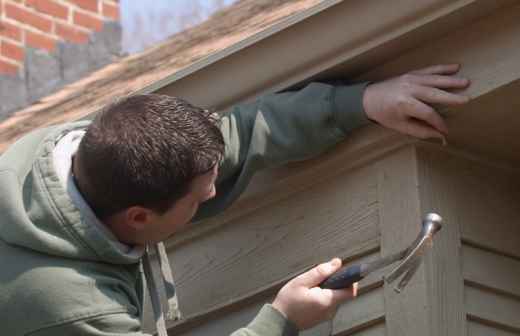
222,30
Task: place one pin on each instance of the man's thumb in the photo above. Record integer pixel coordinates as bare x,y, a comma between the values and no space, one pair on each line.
318,274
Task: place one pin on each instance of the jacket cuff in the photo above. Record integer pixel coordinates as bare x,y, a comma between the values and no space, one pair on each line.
270,321
348,106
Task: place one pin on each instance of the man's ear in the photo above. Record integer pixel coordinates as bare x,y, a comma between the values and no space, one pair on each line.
138,217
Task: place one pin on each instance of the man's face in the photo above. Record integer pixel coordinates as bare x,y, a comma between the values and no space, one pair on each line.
180,214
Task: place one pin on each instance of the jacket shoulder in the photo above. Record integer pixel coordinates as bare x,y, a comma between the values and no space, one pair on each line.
40,291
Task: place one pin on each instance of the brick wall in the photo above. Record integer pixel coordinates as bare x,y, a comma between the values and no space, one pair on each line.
45,44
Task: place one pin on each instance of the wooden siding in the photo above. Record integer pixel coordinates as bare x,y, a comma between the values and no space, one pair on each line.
337,217
479,329
366,198
364,316
492,291
475,271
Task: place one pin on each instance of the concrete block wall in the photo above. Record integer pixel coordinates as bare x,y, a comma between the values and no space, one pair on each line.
45,44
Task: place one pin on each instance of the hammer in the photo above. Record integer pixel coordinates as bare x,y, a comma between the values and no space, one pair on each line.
410,260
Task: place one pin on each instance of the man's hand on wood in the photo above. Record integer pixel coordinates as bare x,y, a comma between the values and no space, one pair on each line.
304,303
405,103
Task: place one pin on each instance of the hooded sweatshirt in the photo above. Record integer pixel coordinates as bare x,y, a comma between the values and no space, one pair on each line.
64,273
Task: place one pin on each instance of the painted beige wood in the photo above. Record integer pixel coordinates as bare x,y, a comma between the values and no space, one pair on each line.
355,316
376,330
490,63
487,199
337,217
438,178
371,192
493,308
355,34
365,311
492,270
272,186
406,313
487,125
479,329
366,319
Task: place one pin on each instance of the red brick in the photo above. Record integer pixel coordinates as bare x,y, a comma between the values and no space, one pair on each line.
39,41
10,31
88,21
71,34
90,5
25,16
111,11
8,68
49,7
12,51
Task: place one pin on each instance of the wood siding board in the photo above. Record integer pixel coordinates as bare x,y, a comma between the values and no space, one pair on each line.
268,187
223,324
337,218
491,270
241,306
369,322
366,310
478,329
492,307
438,193
374,330
488,204
407,313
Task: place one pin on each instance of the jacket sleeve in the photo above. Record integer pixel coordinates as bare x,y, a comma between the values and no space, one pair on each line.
280,128
268,322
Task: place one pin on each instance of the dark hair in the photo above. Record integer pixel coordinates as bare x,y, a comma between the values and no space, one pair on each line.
146,150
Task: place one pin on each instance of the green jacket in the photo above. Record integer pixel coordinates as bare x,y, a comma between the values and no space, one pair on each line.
60,275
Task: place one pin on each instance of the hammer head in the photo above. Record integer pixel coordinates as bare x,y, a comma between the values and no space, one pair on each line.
431,224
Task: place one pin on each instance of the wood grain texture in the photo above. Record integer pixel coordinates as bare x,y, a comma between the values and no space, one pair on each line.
334,218
234,75
356,315
366,310
271,186
443,264
492,308
406,313
492,270
487,124
375,330
489,207
485,195
372,324
490,63
479,329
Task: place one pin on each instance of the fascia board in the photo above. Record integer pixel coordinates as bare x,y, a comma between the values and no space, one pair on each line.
237,47
331,34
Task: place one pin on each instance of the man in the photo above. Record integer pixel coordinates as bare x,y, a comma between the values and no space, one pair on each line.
80,201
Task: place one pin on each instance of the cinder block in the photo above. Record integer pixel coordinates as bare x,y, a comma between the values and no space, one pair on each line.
13,95
105,46
74,60
43,73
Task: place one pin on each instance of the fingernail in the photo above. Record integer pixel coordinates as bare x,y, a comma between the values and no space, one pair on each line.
335,262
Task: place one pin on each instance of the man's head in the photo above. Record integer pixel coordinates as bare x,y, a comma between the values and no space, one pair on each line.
146,163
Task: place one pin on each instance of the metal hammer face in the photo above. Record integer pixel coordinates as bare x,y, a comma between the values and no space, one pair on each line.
431,224
410,260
